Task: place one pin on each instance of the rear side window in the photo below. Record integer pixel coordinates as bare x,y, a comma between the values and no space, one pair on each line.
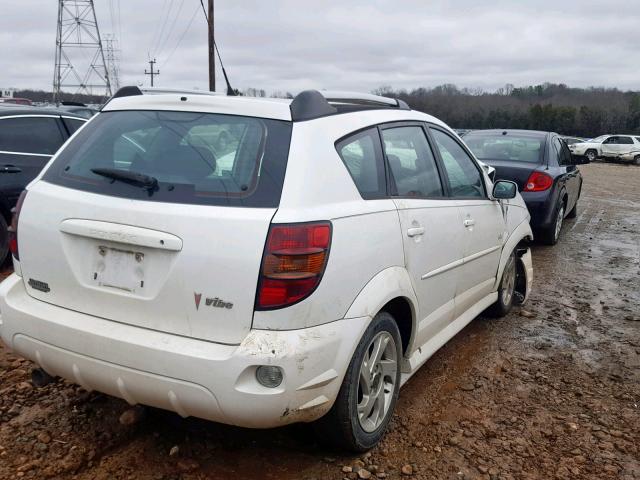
411,161
39,135
464,175
362,155
73,124
199,158
625,141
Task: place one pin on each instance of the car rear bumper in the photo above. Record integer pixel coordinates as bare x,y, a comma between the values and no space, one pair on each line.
188,376
541,206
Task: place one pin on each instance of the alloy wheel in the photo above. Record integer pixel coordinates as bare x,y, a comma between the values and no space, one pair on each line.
508,281
377,381
559,220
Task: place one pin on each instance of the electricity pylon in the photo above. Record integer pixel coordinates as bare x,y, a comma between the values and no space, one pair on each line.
111,56
78,43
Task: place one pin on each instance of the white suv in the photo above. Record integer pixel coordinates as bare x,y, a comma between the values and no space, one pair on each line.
259,262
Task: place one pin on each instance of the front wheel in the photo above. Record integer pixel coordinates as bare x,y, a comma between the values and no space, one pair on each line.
507,289
591,155
636,160
367,397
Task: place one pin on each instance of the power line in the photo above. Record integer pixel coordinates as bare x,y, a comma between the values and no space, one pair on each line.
158,36
204,10
181,37
171,28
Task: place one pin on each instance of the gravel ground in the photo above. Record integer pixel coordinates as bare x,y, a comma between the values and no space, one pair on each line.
550,391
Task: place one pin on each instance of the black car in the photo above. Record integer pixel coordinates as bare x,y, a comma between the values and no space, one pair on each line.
28,139
542,166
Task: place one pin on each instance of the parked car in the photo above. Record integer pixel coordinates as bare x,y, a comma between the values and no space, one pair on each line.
624,148
15,101
28,138
573,140
344,239
542,166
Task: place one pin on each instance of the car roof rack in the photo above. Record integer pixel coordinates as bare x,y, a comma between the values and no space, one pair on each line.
132,90
307,105
311,104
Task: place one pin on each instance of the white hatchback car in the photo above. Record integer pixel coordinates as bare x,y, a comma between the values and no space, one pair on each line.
259,262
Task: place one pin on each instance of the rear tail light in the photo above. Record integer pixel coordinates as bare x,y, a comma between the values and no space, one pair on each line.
538,182
293,263
13,228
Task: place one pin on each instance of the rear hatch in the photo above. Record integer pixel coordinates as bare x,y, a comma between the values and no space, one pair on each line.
157,219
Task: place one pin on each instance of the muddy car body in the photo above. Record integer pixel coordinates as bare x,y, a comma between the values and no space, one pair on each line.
302,273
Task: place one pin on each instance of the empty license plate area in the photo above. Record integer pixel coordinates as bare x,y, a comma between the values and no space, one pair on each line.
120,269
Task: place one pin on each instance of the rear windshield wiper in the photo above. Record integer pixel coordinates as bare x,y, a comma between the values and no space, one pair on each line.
132,178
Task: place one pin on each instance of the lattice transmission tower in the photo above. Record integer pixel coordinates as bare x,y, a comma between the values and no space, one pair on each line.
111,56
80,63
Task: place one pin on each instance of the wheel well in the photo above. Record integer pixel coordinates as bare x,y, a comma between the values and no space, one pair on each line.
402,312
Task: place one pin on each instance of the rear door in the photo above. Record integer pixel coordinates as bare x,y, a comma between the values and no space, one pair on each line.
570,173
432,233
481,219
180,256
625,145
27,143
610,147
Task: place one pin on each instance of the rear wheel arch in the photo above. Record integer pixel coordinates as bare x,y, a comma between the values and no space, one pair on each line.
403,313
391,291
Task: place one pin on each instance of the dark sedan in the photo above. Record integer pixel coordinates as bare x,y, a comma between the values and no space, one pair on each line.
542,166
28,139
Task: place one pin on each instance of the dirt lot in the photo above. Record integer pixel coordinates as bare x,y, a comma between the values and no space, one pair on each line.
550,391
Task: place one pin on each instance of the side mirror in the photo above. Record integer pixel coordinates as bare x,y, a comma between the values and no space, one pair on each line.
504,190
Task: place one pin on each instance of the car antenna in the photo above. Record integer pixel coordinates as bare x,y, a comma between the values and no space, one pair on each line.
230,91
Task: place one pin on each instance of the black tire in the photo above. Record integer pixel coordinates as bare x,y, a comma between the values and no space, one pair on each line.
636,160
549,235
591,155
4,240
340,427
506,290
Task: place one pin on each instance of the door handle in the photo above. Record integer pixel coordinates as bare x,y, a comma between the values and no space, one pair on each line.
10,169
415,231
469,222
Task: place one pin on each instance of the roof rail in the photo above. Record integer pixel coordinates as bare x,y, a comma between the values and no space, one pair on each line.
132,90
311,104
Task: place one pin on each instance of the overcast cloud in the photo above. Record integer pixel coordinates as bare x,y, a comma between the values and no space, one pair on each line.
291,45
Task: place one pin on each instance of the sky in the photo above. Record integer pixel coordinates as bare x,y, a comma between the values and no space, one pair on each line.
286,45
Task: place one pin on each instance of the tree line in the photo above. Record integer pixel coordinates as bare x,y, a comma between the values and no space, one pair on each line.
586,112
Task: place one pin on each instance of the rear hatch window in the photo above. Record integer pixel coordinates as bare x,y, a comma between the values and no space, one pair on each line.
198,158
513,148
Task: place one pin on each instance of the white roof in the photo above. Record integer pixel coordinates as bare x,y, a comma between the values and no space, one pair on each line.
276,108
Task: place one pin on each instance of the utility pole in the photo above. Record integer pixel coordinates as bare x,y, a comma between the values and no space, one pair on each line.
212,52
79,60
151,72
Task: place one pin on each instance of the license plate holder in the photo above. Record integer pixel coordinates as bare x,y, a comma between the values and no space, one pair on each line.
120,269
